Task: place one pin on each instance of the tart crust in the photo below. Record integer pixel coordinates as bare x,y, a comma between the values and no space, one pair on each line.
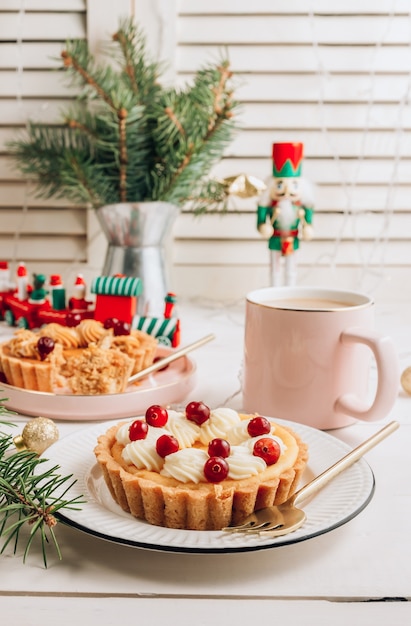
164,501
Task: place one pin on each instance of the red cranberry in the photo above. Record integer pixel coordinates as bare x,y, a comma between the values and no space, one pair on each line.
121,328
219,447
110,322
138,430
215,469
45,345
197,412
73,319
156,415
258,426
268,449
166,444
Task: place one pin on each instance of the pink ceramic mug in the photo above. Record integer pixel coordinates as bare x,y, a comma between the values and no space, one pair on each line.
307,357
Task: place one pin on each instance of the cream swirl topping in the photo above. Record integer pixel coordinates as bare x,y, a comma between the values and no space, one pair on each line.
122,435
67,337
186,465
182,429
242,464
238,433
220,421
24,344
142,453
89,331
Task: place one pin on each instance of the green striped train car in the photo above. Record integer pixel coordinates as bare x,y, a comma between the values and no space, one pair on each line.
166,330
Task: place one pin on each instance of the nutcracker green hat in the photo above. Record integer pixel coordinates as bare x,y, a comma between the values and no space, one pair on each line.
287,160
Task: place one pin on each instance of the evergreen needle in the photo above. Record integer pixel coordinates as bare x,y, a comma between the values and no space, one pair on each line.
28,497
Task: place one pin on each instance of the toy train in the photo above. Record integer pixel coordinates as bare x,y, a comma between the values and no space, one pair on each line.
31,306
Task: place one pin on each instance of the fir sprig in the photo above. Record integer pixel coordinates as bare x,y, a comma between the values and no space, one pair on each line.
27,497
129,139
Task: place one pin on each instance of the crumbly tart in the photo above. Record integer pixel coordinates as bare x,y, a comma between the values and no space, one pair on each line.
158,497
21,364
87,359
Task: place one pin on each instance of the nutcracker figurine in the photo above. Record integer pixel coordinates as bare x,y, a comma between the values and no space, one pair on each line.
283,214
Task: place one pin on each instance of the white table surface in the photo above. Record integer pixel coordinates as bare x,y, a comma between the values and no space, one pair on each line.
360,572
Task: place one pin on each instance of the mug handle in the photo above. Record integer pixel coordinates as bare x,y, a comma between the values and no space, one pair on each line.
388,376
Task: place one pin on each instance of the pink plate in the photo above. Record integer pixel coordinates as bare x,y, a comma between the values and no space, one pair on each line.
171,385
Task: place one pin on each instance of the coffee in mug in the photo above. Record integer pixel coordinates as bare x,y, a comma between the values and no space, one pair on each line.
307,357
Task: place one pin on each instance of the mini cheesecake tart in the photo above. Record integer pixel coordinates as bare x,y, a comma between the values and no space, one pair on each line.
174,491
87,359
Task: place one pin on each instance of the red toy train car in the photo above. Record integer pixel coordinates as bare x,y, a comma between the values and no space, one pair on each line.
30,307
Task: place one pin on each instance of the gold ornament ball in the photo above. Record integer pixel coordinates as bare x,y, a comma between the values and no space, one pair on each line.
37,435
406,380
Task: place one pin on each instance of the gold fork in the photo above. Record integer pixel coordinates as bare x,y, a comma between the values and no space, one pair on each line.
285,518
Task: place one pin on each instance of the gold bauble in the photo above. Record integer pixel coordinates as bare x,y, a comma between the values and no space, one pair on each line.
406,380
243,186
37,435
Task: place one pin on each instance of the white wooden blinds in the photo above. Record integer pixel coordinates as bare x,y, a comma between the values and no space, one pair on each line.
50,234
336,76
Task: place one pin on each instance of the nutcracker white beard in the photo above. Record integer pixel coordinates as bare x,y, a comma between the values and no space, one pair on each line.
286,214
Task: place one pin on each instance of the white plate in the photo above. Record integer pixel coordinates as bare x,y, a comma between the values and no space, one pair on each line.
169,386
336,504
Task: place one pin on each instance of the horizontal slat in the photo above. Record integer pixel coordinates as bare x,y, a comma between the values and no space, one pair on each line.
33,83
40,248
17,111
307,88
379,144
301,115
30,55
44,5
21,194
39,221
316,88
338,7
323,252
42,26
300,58
275,29
362,226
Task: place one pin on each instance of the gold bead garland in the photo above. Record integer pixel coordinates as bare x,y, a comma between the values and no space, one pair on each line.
37,435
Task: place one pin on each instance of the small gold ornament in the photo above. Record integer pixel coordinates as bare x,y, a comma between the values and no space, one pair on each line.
243,186
37,435
406,380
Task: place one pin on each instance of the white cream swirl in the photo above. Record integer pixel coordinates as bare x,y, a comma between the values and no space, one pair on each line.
142,452
182,429
220,421
242,464
122,434
186,465
238,434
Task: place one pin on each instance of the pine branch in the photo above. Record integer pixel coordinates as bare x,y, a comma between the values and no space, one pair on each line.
27,497
127,138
